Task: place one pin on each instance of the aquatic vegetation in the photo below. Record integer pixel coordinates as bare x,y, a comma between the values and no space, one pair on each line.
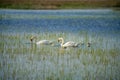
21,59
78,60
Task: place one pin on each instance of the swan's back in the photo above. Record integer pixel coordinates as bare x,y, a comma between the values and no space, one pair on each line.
70,44
46,42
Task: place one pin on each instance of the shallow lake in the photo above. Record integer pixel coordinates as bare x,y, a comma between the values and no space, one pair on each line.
22,60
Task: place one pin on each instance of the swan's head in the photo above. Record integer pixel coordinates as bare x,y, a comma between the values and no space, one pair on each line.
32,38
60,39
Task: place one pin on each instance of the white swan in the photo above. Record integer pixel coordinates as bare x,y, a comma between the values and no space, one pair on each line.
67,44
45,42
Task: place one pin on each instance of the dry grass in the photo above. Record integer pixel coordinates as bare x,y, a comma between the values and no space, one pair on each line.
53,4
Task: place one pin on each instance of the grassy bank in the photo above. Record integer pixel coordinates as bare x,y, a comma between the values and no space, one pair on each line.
58,4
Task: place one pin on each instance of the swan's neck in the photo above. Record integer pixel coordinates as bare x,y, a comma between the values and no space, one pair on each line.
62,42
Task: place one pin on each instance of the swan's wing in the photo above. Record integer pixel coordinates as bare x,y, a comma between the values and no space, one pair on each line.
69,44
43,42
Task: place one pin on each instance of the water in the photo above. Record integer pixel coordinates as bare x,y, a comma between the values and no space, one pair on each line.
19,59
60,20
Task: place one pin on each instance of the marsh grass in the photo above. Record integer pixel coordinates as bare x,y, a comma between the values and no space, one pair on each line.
22,60
19,59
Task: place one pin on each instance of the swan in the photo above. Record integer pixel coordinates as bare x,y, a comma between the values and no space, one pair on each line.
45,42
67,44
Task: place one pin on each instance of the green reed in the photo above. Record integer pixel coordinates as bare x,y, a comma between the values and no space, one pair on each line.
20,57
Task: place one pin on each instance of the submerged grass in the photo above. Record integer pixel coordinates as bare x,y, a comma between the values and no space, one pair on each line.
22,60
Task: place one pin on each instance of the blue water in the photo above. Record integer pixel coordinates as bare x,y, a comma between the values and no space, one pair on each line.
74,21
